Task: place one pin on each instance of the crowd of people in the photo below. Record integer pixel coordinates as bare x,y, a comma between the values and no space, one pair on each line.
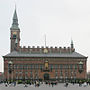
35,83
49,83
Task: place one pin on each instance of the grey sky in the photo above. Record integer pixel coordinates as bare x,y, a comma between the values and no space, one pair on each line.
60,20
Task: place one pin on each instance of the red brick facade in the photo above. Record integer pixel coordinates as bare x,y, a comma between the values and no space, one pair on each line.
40,73
42,62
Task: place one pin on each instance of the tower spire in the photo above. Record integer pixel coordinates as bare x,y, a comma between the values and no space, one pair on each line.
72,45
15,21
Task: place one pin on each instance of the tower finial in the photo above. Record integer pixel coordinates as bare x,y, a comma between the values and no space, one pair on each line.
15,6
15,3
71,41
45,40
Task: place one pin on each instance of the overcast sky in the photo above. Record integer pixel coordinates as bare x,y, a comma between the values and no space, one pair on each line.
60,20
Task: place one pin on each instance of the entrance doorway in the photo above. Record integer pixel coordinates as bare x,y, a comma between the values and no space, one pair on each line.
46,76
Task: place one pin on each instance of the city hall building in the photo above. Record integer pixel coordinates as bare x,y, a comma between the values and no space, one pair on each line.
41,63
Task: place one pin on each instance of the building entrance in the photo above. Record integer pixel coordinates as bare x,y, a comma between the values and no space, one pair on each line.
46,76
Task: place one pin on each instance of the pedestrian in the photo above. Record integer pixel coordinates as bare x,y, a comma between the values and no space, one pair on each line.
52,84
25,85
14,84
85,84
6,84
49,84
66,85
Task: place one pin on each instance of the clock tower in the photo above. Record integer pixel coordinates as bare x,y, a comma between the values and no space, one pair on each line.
15,33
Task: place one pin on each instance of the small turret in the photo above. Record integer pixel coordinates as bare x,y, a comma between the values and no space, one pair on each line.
72,45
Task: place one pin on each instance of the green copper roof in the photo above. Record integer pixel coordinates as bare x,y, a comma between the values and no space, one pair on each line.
15,22
15,15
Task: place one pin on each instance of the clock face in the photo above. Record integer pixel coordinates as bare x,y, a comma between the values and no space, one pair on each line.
14,33
45,50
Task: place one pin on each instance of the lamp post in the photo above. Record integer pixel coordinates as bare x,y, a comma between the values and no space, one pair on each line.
80,67
10,69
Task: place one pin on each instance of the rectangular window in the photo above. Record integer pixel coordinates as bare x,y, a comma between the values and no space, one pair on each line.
20,72
16,73
71,73
71,66
56,75
31,66
66,66
74,74
25,66
20,77
75,66
66,74
15,66
26,72
51,67
36,66
61,73
20,67
31,75
16,77
61,66
41,67
56,66
26,77
28,66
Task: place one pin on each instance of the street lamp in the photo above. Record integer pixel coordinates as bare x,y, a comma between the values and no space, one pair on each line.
10,68
80,67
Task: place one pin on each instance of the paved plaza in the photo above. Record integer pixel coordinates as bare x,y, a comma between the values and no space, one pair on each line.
59,86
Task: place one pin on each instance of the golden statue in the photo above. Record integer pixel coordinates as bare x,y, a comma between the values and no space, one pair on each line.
46,64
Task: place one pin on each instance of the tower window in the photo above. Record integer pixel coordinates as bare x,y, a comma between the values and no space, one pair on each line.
14,36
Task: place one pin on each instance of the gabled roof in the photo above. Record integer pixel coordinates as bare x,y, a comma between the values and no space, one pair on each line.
68,55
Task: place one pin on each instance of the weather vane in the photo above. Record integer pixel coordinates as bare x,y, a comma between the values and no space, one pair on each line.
15,3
